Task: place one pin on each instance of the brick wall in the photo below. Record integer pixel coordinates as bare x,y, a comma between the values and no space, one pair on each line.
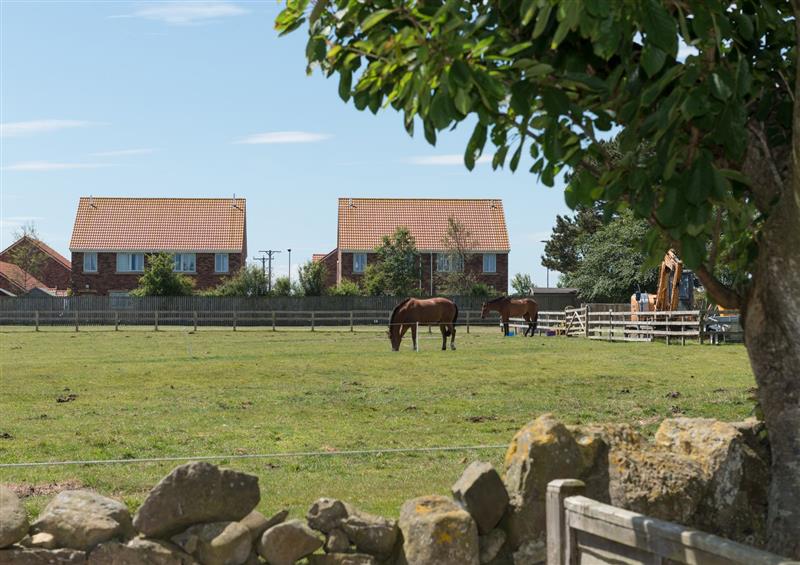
106,279
498,280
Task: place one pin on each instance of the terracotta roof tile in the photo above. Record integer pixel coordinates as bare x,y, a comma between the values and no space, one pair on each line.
18,277
159,224
364,221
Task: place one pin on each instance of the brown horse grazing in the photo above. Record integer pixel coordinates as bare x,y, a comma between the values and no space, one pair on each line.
412,311
514,307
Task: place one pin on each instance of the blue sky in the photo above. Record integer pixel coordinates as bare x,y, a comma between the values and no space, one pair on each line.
204,99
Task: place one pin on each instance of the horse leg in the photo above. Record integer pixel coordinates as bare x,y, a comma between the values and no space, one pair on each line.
505,327
453,337
414,336
443,329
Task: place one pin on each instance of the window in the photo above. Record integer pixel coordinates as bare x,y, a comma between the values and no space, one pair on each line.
90,262
185,262
130,262
359,262
449,263
221,263
489,263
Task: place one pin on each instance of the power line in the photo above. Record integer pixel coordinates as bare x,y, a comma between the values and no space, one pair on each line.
345,453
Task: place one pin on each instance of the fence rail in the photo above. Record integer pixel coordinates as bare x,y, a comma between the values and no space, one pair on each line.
586,321
582,531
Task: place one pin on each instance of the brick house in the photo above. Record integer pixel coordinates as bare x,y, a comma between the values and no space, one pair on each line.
364,221
54,273
112,238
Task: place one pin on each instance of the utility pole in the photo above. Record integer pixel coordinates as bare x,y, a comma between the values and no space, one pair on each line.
290,267
269,253
546,241
263,263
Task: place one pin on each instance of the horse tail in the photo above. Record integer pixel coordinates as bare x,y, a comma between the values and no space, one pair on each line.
535,316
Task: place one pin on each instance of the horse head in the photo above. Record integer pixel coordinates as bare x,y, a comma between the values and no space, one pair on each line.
484,310
394,336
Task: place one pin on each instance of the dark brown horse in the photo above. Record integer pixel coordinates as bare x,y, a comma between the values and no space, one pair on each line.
413,311
526,308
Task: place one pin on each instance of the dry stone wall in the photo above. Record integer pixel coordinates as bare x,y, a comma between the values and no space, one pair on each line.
703,473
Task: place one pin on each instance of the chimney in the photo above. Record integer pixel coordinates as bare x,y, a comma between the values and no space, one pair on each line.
91,202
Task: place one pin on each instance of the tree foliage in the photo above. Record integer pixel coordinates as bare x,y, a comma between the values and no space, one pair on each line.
541,80
249,281
611,265
160,278
396,271
346,288
522,284
282,287
561,250
311,277
705,136
458,244
26,254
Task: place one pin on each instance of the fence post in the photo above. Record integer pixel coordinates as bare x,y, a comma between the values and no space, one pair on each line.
669,327
194,319
312,321
234,320
683,331
700,325
155,320
351,321
273,320
116,321
467,321
610,324
559,548
588,333
36,316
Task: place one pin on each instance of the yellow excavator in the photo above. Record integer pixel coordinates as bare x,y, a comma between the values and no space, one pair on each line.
674,292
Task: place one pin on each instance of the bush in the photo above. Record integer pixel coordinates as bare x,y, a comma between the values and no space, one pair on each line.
312,278
249,281
482,290
282,287
345,288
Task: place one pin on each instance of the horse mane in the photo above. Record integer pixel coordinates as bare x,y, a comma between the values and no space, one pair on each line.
498,299
396,308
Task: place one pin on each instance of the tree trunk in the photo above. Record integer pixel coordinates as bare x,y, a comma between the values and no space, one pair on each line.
772,334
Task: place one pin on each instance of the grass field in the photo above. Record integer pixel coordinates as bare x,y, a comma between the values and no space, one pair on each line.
146,394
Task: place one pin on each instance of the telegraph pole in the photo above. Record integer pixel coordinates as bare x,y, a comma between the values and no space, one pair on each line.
269,254
263,263
290,267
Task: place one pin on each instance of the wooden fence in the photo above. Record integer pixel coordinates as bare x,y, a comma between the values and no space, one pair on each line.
582,531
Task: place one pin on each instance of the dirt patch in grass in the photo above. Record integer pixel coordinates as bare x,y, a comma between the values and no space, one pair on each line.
25,490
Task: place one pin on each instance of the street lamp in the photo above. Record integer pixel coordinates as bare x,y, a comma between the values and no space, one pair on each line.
290,267
546,241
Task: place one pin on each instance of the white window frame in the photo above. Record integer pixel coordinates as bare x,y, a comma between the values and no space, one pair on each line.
185,263
363,268
125,262
493,262
90,269
221,257
449,263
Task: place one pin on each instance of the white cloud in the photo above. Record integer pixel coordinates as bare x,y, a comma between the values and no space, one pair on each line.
51,166
15,129
123,152
454,159
284,137
186,13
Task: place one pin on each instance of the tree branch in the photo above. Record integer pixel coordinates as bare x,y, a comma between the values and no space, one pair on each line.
721,294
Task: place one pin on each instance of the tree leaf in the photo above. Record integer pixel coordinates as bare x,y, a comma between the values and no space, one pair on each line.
375,18
542,20
652,59
460,75
718,87
660,27
555,101
463,102
345,83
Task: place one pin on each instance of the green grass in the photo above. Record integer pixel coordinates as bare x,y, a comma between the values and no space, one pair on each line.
176,393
